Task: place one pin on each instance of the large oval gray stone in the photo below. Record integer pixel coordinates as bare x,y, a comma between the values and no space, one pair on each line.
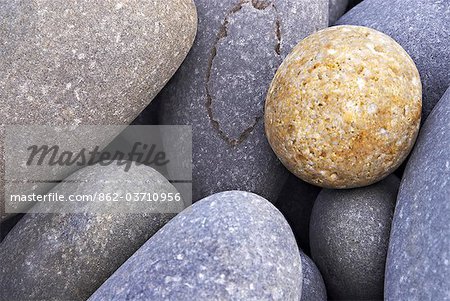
229,246
221,87
349,235
422,28
87,62
419,249
67,256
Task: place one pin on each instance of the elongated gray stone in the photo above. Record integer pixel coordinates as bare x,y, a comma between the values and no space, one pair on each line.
229,246
85,62
422,28
67,256
221,87
419,249
349,235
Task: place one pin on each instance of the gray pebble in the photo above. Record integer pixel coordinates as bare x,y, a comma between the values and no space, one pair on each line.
422,28
313,288
87,62
221,87
349,235
67,256
418,264
336,10
229,246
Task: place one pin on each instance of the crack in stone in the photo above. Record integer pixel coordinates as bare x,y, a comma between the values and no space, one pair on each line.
223,33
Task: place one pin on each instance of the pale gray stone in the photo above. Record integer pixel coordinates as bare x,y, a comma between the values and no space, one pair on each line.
349,235
229,246
422,28
67,256
221,87
419,249
87,62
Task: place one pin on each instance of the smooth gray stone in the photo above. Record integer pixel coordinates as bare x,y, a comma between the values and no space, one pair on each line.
220,89
313,288
229,246
67,256
336,10
419,249
296,201
87,62
422,28
349,235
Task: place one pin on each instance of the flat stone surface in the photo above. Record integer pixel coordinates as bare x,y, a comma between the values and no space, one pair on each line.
229,246
57,256
313,288
336,10
349,235
343,110
419,254
87,62
296,201
421,27
221,87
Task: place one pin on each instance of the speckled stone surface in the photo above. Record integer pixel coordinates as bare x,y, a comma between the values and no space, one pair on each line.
343,109
336,10
228,246
220,89
349,236
84,62
422,28
296,201
313,288
419,249
68,256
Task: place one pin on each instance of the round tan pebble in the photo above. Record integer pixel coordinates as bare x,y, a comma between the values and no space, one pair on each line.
343,109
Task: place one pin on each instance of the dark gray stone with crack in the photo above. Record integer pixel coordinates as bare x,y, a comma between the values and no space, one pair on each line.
67,256
418,264
313,288
229,246
422,28
349,235
221,87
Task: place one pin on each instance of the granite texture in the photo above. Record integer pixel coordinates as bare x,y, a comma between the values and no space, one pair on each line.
296,201
343,109
422,28
313,288
419,249
229,246
349,235
67,256
220,89
84,62
336,9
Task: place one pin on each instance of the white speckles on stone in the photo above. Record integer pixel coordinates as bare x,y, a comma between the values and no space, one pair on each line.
372,108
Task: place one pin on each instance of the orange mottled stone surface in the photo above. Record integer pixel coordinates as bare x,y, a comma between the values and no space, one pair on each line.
343,109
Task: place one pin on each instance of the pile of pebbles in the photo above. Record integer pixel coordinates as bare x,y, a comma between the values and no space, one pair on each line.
301,112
